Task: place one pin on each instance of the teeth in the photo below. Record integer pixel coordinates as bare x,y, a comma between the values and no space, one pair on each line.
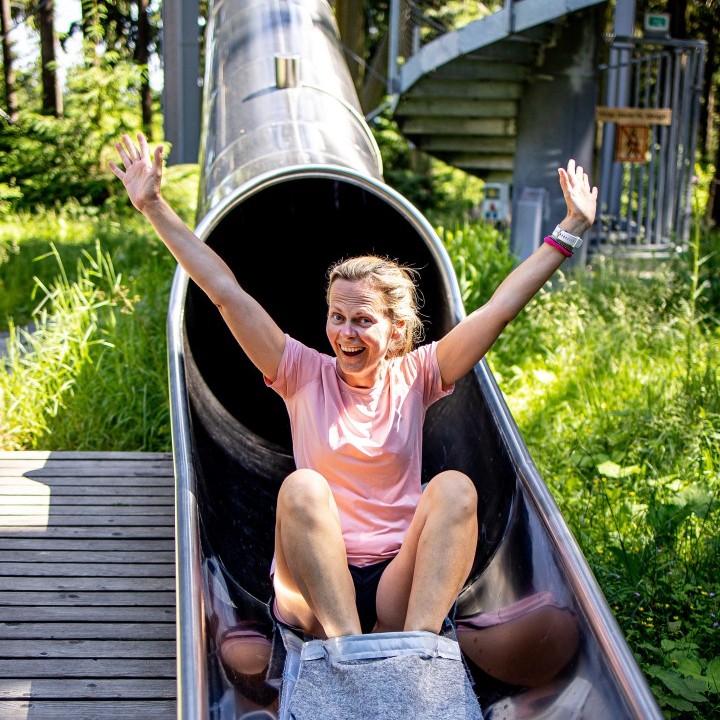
350,349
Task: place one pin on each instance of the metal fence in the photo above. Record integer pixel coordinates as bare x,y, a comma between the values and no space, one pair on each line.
646,169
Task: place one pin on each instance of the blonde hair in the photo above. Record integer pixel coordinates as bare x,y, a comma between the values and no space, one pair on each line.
396,285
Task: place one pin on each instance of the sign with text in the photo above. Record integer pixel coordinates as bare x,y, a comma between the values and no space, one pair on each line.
633,116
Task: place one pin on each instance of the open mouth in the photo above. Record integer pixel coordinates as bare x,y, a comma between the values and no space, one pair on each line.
352,351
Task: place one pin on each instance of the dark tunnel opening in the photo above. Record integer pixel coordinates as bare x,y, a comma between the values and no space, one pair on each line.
280,242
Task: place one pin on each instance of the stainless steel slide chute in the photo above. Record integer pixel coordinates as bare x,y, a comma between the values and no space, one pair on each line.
291,182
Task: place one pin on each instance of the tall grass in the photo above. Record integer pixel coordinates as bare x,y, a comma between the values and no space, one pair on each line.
89,375
90,371
612,377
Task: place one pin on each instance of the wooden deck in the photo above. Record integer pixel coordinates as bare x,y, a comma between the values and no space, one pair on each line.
87,586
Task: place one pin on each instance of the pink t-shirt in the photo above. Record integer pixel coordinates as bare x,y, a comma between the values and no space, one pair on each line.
366,442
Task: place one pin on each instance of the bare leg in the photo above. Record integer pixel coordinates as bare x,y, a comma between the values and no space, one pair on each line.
313,586
420,585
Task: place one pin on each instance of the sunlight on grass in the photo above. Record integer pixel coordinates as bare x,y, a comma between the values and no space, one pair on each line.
89,372
614,385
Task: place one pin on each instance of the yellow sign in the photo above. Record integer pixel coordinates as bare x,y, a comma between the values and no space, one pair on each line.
634,116
631,143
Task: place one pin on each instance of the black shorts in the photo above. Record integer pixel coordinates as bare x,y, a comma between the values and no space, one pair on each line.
366,581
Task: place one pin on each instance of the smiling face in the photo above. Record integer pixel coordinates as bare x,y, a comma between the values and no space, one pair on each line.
359,331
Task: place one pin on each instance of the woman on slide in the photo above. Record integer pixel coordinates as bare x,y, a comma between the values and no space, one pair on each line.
357,546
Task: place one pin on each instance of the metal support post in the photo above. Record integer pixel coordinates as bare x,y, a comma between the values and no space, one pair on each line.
181,94
393,47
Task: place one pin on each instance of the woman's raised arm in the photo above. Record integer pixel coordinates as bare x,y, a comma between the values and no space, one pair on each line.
256,332
467,342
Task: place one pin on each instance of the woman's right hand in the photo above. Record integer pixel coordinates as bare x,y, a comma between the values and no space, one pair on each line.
142,176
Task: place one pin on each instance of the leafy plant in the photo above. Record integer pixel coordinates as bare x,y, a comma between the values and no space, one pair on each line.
481,258
90,370
629,444
52,160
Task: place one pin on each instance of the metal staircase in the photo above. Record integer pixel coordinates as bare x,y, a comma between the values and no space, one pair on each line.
457,96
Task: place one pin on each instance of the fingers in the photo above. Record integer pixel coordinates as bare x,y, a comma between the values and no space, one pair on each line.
144,150
126,161
574,176
130,153
157,158
116,170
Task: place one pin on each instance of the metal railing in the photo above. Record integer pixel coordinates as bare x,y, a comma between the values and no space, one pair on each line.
414,23
645,200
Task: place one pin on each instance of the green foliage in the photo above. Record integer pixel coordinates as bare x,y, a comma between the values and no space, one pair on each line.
25,238
612,376
90,372
48,160
114,24
481,258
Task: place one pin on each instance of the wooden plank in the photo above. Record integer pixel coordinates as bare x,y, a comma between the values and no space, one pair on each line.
460,126
85,458
94,456
88,614
94,689
87,546
74,599
458,107
87,631
87,586
81,556
117,509
50,467
87,667
117,649
73,584
60,499
86,570
12,486
462,90
87,710
90,533
91,478
88,520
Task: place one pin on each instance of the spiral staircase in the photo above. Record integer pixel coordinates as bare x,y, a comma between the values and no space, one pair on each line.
457,96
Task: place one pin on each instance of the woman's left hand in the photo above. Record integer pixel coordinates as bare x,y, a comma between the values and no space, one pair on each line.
580,198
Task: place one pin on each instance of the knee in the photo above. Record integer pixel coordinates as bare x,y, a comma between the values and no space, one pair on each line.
455,493
303,495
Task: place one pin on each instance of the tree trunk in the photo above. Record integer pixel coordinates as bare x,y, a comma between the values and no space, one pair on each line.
350,15
678,18
713,206
51,95
375,85
142,55
8,70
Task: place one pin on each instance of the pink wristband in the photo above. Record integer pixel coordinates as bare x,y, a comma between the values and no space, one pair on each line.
557,245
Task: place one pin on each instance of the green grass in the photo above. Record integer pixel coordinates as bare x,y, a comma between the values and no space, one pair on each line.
91,373
614,385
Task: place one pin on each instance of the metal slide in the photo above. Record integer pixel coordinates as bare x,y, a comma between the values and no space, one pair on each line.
292,181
